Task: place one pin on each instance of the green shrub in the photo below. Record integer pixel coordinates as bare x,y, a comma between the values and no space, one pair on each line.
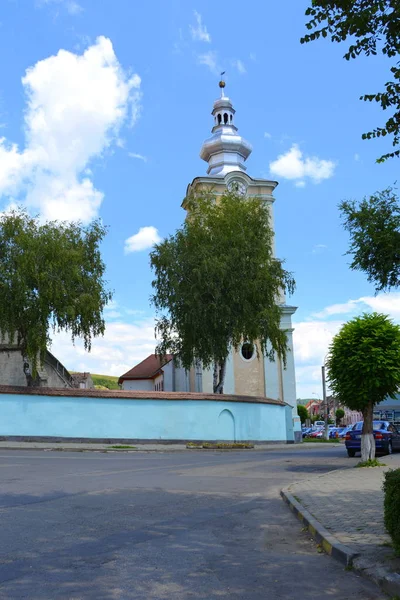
303,413
391,488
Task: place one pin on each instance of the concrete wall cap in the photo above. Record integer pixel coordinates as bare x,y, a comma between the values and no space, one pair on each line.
134,395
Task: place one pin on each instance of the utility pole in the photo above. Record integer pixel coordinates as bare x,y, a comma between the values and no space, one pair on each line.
325,402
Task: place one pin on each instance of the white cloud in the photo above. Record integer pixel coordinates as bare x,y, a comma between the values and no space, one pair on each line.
124,344
144,239
253,56
300,184
210,60
239,65
313,336
318,248
267,135
71,6
384,303
356,157
76,105
139,156
199,32
292,165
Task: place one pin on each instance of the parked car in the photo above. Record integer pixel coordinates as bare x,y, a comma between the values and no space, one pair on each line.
306,431
317,433
387,438
333,432
344,430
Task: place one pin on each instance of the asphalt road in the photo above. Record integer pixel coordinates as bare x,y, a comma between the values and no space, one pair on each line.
202,525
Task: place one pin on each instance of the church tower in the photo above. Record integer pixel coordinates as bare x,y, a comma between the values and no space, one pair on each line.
247,374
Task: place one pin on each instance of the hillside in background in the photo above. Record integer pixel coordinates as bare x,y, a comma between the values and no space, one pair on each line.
105,381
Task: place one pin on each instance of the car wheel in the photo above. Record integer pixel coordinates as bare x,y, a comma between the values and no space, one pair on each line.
351,453
389,448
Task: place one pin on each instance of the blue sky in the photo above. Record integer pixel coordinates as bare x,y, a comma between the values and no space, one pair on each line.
104,106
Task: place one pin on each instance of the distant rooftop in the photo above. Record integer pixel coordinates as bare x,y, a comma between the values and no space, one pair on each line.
149,368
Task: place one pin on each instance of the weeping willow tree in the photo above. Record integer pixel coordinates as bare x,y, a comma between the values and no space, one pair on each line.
217,283
51,279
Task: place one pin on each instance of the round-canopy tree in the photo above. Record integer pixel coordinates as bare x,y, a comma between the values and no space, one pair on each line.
303,413
339,414
218,283
364,368
51,278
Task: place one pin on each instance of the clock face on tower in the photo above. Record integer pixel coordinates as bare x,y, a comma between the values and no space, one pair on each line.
238,186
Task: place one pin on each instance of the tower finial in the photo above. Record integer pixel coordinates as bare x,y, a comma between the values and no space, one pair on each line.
222,83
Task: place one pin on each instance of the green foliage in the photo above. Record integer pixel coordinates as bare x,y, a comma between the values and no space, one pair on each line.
373,27
51,278
364,361
217,282
371,462
303,413
219,446
322,440
374,227
391,488
106,381
339,414
122,447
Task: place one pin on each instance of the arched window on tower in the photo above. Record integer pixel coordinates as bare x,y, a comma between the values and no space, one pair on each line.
230,118
219,118
225,118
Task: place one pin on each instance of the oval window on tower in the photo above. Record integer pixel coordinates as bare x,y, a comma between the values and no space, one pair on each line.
247,350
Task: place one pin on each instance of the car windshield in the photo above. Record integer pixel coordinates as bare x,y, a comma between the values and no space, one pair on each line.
376,425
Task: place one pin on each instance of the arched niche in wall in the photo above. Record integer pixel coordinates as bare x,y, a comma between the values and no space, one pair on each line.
226,426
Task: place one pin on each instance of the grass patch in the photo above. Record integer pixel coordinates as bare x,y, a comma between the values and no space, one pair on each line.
322,440
370,463
106,381
220,445
124,447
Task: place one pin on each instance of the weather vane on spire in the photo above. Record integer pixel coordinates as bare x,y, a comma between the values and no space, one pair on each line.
222,83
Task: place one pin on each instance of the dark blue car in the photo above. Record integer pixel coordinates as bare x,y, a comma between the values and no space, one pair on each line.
387,438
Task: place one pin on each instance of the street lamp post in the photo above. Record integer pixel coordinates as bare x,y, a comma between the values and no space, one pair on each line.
326,433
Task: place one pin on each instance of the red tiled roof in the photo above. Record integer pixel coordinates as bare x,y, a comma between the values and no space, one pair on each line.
147,369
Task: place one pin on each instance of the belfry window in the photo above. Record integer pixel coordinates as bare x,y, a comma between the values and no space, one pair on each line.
225,118
219,118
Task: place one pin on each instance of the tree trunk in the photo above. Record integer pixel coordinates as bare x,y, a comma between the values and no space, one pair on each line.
219,377
367,436
215,378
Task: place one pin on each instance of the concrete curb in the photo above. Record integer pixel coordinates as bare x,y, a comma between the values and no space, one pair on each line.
376,572
379,574
329,543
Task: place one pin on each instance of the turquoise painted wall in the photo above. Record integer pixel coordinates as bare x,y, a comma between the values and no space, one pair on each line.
32,415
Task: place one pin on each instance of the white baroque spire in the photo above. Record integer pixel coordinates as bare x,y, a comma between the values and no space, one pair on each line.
225,151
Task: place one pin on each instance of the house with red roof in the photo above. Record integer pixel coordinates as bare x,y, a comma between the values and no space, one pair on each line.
161,375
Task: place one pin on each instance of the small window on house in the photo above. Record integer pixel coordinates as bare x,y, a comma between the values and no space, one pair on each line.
247,350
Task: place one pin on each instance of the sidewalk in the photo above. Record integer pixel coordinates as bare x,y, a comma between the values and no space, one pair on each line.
139,447
343,510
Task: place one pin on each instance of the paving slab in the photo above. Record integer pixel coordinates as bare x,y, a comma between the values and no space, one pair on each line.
344,511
